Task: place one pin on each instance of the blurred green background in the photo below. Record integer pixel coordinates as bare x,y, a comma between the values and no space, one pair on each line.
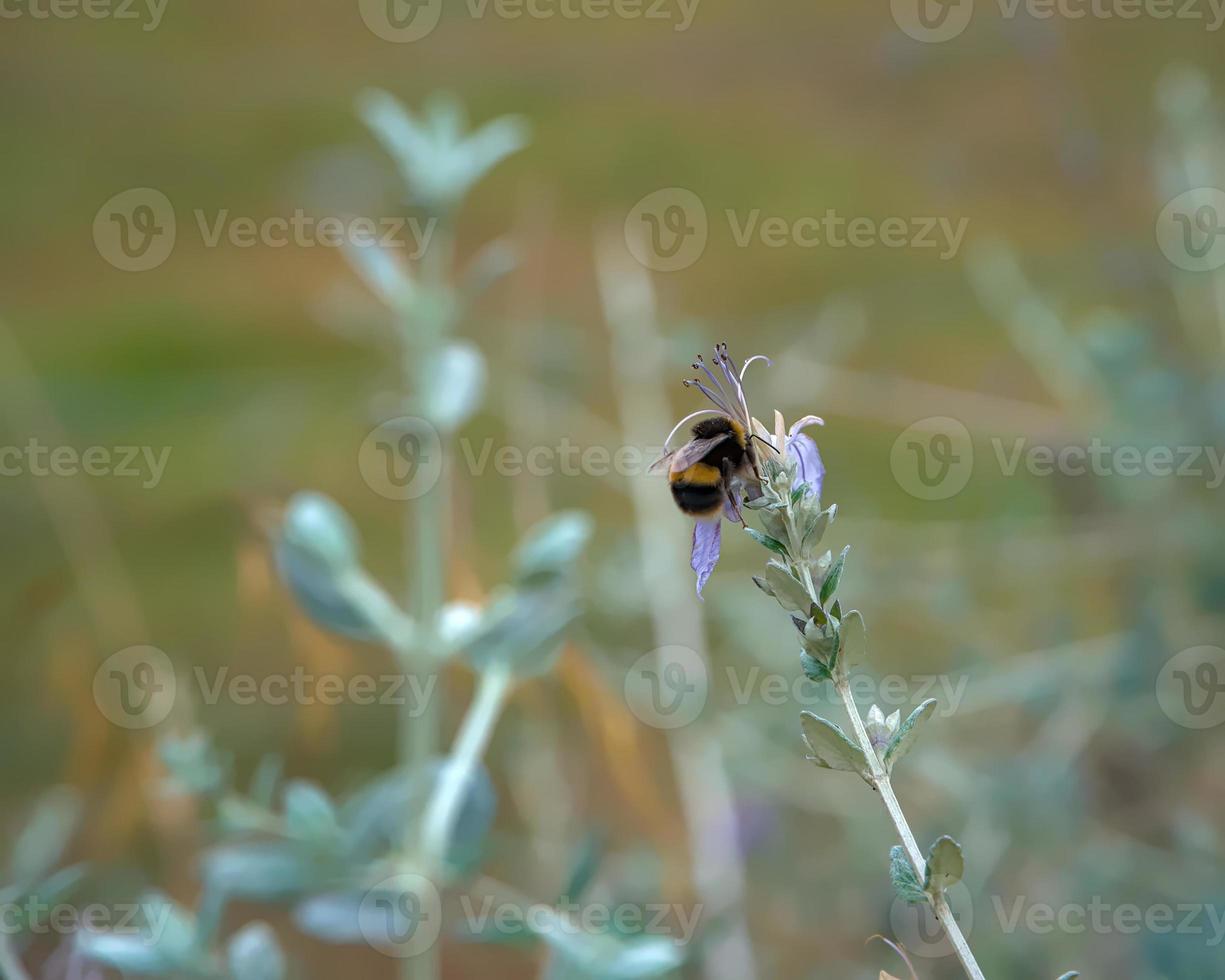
1056,599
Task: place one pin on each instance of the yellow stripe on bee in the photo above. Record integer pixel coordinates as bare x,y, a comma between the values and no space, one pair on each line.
702,473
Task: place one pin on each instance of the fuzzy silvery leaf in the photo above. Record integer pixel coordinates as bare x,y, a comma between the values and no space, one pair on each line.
265,779
318,593
945,864
387,277
908,733
902,875
32,907
552,546
835,573
453,381
193,762
767,541
784,586
774,523
830,747
42,842
318,529
601,956
1071,975
813,669
316,549
337,917
821,641
814,523
523,629
253,953
309,813
130,955
264,871
436,159
853,640
458,623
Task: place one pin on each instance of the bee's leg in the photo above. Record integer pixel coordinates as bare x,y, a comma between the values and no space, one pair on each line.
733,506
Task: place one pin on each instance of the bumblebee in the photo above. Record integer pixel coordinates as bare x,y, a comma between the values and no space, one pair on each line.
718,466
705,473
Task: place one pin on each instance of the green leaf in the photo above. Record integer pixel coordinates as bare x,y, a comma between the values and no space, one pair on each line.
831,579
905,881
853,645
45,837
552,546
603,956
523,628
453,382
309,813
762,584
255,954
945,864
830,747
813,669
907,733
791,595
764,539
814,523
317,529
821,642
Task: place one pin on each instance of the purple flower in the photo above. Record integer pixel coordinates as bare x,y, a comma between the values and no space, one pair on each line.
705,553
809,467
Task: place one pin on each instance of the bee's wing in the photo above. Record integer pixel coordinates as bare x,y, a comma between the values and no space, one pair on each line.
693,451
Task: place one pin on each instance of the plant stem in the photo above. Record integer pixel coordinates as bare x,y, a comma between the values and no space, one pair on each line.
425,558
466,754
880,780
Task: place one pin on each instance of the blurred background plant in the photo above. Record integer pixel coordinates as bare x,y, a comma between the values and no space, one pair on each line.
1049,605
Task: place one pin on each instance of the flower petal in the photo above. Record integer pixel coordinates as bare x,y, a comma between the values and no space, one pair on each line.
802,424
705,550
810,470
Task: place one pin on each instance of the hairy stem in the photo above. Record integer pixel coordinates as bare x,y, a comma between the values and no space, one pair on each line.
880,780
466,754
